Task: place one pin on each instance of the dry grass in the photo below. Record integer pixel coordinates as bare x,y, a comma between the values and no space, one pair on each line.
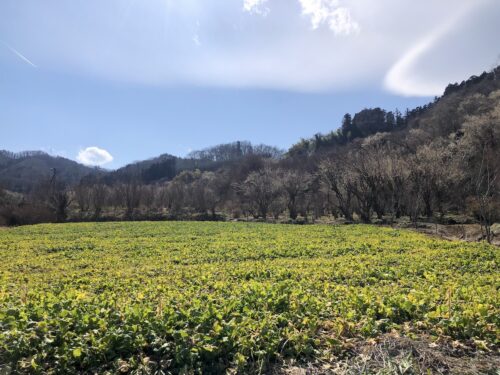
391,354
463,232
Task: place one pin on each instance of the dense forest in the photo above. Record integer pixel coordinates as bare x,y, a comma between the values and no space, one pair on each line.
378,166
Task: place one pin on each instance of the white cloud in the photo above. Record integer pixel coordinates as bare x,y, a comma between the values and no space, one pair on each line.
401,80
94,156
196,40
196,36
329,12
403,77
256,7
302,45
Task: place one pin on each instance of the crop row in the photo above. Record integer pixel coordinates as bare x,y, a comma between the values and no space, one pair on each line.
204,297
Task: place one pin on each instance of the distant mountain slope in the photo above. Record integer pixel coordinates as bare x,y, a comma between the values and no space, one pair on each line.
165,167
154,169
468,98
443,116
21,172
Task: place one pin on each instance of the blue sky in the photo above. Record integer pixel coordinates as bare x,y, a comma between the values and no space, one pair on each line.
134,79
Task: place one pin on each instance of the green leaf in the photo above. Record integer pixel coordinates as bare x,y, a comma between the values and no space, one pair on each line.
77,353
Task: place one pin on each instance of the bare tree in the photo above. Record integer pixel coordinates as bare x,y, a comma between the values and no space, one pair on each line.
148,197
277,206
174,197
82,197
216,189
57,197
396,171
294,184
3,196
260,188
486,195
337,175
98,194
130,194
481,153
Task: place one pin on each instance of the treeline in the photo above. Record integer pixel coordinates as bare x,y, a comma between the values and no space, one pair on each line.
365,123
21,172
235,151
166,167
20,155
378,167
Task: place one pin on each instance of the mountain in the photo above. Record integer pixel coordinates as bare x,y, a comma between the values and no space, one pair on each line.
440,118
165,167
472,97
21,172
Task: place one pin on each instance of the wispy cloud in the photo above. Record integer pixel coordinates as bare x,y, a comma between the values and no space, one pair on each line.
302,45
256,7
19,54
196,35
94,156
403,78
196,40
330,12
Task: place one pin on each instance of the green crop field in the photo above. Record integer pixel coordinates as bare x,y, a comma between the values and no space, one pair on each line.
205,297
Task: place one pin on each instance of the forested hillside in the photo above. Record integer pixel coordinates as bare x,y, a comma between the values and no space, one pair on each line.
442,117
439,159
21,172
165,167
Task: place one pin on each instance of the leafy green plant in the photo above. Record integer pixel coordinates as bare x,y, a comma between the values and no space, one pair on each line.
204,297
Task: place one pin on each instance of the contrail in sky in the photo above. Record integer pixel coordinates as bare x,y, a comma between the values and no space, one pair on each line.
399,78
19,54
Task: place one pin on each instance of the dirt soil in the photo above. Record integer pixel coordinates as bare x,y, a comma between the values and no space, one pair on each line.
464,232
392,354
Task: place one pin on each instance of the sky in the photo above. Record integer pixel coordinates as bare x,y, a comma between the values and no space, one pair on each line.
111,82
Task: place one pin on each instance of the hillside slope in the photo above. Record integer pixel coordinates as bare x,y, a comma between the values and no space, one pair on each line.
440,118
21,172
443,118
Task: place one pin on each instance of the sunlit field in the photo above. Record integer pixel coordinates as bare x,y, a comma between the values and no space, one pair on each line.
207,297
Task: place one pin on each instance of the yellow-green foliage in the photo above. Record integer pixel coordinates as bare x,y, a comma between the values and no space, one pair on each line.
207,296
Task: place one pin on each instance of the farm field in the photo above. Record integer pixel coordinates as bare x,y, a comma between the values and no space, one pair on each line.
192,297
